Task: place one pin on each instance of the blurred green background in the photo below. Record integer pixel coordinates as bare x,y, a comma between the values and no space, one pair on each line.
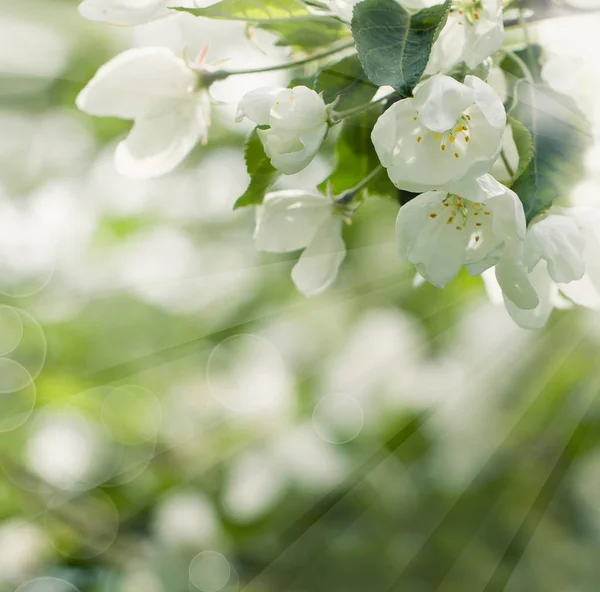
174,416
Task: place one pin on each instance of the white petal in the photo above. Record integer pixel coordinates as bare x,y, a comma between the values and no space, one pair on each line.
497,80
412,217
436,247
298,109
413,165
125,12
484,37
513,278
488,101
318,265
136,81
558,241
440,101
492,287
156,145
288,220
449,48
256,105
546,290
582,292
292,152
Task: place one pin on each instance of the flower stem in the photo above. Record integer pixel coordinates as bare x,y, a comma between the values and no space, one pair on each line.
522,65
509,168
526,37
337,117
317,56
348,196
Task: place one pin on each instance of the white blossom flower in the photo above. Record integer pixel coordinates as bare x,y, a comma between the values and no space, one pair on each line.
297,123
447,131
344,8
467,225
551,261
474,31
159,92
293,219
129,12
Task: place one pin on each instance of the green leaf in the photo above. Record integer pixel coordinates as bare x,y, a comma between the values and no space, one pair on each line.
560,140
393,44
307,35
256,11
262,173
356,158
346,80
524,142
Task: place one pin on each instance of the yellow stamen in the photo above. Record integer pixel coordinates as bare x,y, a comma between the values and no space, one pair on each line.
456,155
443,147
452,138
419,139
437,136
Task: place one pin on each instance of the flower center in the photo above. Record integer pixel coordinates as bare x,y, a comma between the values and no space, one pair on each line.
452,141
469,9
464,215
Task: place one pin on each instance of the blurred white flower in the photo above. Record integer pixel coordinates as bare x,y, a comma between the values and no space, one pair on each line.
258,478
65,450
186,518
474,31
297,120
291,220
23,547
440,231
133,12
159,92
553,260
30,49
254,483
447,131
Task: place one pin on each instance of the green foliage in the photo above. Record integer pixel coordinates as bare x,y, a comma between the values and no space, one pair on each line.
356,157
307,35
393,44
532,57
524,142
559,143
346,80
256,11
261,171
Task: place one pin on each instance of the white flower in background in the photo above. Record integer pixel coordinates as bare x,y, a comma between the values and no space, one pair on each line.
551,260
297,120
344,8
474,31
291,220
133,12
447,131
159,92
442,231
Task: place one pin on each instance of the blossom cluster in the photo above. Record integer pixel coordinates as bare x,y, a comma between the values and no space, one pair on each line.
447,142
